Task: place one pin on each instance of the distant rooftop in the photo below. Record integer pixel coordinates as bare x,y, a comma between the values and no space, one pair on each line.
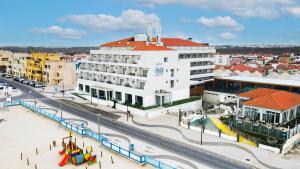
262,80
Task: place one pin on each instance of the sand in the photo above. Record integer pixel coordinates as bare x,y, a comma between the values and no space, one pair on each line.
22,131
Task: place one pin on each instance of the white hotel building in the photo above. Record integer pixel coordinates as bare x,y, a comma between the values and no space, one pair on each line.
145,70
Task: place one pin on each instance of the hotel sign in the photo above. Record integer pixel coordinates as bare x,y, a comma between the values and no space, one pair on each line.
159,70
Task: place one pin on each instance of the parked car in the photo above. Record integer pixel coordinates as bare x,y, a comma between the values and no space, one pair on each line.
15,79
31,83
21,80
9,76
24,81
37,85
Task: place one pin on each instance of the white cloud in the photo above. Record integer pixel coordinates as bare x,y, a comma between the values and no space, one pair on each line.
219,21
227,36
129,20
245,8
294,11
67,33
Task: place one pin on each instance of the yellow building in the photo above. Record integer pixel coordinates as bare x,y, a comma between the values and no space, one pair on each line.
35,64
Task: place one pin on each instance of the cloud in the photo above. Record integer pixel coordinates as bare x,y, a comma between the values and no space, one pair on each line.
246,8
227,36
129,20
66,33
219,21
294,11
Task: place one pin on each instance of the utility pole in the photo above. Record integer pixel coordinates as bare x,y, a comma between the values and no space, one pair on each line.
201,133
60,112
98,124
63,90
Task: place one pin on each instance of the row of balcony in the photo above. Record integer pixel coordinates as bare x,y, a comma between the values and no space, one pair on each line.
129,59
126,82
122,70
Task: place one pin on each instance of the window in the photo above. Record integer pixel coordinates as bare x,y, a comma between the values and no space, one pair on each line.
172,72
80,87
172,83
277,118
87,88
291,114
298,111
165,59
118,96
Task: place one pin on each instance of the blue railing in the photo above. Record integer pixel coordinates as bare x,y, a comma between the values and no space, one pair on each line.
88,132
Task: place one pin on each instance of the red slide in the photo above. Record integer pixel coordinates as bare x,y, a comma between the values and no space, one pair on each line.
64,161
62,152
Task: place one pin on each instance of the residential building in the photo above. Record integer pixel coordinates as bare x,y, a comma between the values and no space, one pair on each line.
6,58
270,105
18,64
35,64
145,70
59,72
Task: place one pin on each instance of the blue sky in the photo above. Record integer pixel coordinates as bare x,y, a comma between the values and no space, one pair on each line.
92,22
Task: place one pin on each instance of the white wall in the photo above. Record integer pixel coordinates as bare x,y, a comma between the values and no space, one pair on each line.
216,97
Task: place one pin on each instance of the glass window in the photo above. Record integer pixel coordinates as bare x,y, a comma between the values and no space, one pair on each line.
165,59
172,83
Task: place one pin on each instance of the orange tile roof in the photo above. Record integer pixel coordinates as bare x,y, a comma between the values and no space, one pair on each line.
271,99
151,47
129,42
180,42
252,94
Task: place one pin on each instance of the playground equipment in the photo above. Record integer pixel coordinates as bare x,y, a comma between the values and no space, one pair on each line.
75,154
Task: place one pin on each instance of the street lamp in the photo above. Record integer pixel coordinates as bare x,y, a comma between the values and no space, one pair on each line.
98,124
63,90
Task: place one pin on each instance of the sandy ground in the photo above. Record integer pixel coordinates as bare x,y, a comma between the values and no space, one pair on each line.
22,131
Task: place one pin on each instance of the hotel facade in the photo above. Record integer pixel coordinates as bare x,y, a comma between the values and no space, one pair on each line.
145,70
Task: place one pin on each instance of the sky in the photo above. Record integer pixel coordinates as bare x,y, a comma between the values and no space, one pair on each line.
93,22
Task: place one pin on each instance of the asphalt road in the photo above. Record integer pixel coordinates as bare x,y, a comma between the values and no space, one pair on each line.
180,148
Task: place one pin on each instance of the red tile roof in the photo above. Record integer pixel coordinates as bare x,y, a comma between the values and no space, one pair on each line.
151,47
243,68
271,99
129,42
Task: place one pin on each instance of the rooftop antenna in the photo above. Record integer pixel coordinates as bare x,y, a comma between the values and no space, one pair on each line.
150,32
158,33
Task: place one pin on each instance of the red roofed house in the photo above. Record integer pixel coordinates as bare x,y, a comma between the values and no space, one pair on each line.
145,70
270,105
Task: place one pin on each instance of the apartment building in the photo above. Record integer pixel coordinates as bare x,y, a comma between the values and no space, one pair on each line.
6,58
59,72
18,64
35,64
145,70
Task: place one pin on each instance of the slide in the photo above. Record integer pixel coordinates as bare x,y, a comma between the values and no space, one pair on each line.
225,129
62,152
64,161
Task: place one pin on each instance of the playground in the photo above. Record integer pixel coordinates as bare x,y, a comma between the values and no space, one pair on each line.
29,140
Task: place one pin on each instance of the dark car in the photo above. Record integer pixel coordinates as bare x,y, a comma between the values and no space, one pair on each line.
15,79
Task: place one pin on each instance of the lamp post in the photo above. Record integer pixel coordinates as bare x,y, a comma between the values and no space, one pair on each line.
63,90
98,124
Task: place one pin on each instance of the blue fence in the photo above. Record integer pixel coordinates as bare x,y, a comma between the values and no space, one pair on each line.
88,132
